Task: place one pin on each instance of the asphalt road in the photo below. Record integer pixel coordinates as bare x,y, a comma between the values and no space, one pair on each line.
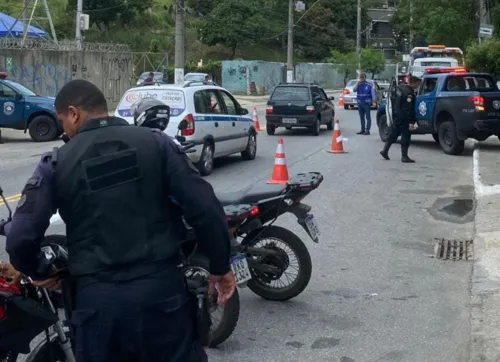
375,294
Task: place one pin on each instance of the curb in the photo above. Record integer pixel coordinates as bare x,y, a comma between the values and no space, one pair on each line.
485,278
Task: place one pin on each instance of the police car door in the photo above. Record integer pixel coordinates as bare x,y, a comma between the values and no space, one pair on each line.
11,109
240,125
425,104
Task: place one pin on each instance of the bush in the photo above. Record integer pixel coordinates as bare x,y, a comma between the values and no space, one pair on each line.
484,57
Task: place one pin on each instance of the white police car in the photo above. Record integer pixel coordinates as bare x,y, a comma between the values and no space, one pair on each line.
217,123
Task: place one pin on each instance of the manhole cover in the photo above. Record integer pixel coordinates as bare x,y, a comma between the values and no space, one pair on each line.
453,249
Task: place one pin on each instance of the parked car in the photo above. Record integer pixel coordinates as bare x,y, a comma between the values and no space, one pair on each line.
23,109
294,105
350,95
199,77
157,77
218,124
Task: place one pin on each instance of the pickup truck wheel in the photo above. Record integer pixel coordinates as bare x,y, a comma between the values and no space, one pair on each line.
448,139
270,130
43,129
436,137
383,128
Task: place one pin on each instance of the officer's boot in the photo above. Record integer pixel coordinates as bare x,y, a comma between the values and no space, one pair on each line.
385,152
404,156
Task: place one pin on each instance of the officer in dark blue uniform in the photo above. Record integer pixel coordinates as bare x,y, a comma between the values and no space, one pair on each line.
111,184
403,119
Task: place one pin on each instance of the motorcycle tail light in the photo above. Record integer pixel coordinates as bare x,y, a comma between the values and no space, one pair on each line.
254,211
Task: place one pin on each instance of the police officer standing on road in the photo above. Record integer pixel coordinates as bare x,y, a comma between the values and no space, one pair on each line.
111,184
403,119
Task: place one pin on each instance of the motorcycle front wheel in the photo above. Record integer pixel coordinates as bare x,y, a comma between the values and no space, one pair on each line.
294,258
223,326
48,352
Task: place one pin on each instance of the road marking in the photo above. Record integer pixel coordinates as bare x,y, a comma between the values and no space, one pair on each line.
12,198
481,189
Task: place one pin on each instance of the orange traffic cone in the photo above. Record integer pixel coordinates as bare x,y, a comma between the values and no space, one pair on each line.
280,171
337,140
341,102
256,123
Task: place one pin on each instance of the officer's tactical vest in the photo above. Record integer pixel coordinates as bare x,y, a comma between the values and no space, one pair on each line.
110,193
364,93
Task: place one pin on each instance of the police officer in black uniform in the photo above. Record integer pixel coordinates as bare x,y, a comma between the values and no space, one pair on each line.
111,184
403,119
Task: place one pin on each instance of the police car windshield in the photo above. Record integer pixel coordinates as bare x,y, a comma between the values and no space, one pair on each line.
20,88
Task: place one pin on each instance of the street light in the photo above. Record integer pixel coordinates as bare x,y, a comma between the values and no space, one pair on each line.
297,6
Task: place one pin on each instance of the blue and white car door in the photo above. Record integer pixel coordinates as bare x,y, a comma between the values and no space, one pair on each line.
11,109
239,134
214,121
425,104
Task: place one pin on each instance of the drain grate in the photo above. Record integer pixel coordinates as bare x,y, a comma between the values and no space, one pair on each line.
453,249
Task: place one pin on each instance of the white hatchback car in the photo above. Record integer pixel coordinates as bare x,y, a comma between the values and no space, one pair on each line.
218,125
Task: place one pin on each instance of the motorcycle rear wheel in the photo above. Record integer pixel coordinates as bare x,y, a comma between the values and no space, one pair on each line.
230,312
262,288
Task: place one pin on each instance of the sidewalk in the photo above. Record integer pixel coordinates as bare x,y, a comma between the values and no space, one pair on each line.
485,293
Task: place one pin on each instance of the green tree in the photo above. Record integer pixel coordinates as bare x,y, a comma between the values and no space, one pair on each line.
372,61
484,57
346,63
234,23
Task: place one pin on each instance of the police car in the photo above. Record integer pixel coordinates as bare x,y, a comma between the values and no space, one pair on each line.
22,109
218,125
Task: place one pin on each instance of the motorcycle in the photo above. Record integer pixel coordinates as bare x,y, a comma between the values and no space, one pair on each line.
27,311
257,264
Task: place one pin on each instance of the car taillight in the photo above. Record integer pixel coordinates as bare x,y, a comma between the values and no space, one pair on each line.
347,91
269,109
478,102
310,109
189,131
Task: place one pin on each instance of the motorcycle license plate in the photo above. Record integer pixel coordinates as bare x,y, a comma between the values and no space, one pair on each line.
312,226
239,266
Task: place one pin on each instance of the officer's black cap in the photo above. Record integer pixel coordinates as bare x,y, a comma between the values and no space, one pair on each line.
412,79
82,94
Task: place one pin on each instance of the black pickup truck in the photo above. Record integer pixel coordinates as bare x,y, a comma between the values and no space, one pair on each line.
453,106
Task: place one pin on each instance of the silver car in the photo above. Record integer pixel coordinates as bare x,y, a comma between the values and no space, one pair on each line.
350,95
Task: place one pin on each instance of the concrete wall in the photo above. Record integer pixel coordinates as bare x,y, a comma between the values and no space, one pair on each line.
263,76
46,71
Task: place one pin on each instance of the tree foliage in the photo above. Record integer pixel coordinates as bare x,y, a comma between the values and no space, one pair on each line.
484,57
372,61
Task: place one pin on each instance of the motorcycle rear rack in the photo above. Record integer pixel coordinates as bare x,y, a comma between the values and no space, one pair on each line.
305,181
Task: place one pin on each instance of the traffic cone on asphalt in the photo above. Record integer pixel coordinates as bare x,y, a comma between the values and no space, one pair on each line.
341,102
337,145
256,124
280,171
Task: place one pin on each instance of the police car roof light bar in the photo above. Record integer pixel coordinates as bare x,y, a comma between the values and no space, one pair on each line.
445,70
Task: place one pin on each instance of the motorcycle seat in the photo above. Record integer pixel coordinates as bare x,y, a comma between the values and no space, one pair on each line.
250,195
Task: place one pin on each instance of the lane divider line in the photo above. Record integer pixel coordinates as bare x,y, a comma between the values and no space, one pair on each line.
480,188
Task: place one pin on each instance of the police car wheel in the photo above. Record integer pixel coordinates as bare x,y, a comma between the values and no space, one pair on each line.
43,129
251,149
206,163
383,128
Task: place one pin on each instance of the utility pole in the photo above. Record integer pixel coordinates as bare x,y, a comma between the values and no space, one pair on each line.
289,58
179,42
78,32
51,23
358,39
411,25
25,26
484,16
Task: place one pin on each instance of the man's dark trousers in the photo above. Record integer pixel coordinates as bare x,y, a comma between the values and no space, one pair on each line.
364,110
143,320
397,129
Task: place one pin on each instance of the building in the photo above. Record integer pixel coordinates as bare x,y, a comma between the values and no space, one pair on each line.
379,33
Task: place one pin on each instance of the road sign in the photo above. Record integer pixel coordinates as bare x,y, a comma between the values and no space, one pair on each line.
486,31
9,63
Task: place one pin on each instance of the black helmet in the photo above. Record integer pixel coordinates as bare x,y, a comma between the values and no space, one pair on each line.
151,113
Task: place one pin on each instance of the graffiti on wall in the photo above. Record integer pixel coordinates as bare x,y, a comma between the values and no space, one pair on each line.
43,79
116,71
